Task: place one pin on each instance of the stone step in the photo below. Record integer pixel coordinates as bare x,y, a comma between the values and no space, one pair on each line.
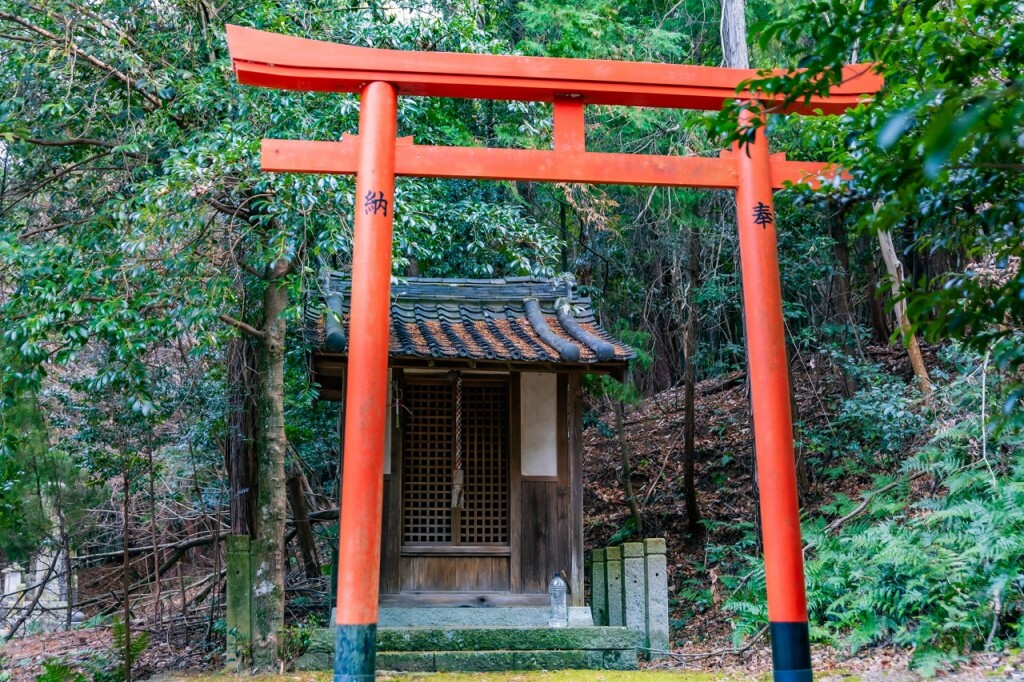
489,649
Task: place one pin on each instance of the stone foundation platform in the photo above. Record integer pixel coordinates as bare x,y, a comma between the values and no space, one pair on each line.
488,649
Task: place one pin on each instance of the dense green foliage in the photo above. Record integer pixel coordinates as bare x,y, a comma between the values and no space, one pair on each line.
938,156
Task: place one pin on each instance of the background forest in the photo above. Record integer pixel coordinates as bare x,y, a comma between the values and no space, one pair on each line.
151,281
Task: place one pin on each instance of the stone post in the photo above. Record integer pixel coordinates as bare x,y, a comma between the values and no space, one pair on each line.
239,600
613,568
51,589
657,596
12,579
634,587
599,587
73,580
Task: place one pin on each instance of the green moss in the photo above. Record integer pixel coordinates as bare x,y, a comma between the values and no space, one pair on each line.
503,639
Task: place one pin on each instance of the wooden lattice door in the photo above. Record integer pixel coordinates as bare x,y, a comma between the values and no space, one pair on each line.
465,547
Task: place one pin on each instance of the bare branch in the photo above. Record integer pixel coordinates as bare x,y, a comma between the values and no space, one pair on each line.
48,228
228,209
176,546
68,142
238,324
20,39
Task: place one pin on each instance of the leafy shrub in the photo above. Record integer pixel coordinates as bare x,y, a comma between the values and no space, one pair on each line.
294,641
872,428
880,418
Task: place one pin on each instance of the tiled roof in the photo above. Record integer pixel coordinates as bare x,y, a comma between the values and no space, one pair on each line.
515,319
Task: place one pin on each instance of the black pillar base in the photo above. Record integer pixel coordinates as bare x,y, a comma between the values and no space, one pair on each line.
791,652
355,653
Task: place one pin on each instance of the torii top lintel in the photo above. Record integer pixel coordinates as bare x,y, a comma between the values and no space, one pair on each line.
287,62
278,61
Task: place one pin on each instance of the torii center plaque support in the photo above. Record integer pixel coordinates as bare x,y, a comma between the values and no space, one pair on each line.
376,156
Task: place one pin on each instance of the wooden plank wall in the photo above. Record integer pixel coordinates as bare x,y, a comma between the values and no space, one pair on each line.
574,440
455,574
515,526
542,553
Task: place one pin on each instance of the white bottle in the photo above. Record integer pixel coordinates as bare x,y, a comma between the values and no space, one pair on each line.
559,617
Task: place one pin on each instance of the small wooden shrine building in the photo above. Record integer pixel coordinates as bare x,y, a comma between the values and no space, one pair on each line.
483,491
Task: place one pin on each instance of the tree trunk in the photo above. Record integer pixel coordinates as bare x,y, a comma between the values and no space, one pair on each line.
300,512
803,478
242,432
734,35
844,299
736,56
126,580
154,538
689,377
627,471
876,314
563,233
269,521
895,268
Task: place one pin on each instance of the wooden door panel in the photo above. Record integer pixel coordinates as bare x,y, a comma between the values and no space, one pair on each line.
484,517
435,537
428,441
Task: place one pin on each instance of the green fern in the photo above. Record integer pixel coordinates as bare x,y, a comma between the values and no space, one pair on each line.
138,644
923,571
56,670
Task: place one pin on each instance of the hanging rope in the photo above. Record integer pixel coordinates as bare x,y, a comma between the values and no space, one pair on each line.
458,477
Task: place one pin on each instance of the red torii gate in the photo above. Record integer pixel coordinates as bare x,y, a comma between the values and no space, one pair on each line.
376,156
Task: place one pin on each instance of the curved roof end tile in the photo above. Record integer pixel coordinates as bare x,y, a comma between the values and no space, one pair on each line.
335,338
569,351
604,350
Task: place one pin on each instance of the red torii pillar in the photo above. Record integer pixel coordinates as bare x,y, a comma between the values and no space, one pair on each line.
767,362
375,156
366,402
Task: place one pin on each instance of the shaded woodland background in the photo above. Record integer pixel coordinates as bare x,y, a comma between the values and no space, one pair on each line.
151,278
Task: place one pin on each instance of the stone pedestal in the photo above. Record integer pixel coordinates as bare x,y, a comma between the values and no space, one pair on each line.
239,599
634,587
12,580
630,587
599,587
613,567
656,568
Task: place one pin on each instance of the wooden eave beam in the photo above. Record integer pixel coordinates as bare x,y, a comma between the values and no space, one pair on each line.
331,365
277,61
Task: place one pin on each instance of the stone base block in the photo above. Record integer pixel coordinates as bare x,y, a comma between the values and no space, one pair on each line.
506,639
489,649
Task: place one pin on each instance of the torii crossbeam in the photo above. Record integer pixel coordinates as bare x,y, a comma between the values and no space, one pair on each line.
376,156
